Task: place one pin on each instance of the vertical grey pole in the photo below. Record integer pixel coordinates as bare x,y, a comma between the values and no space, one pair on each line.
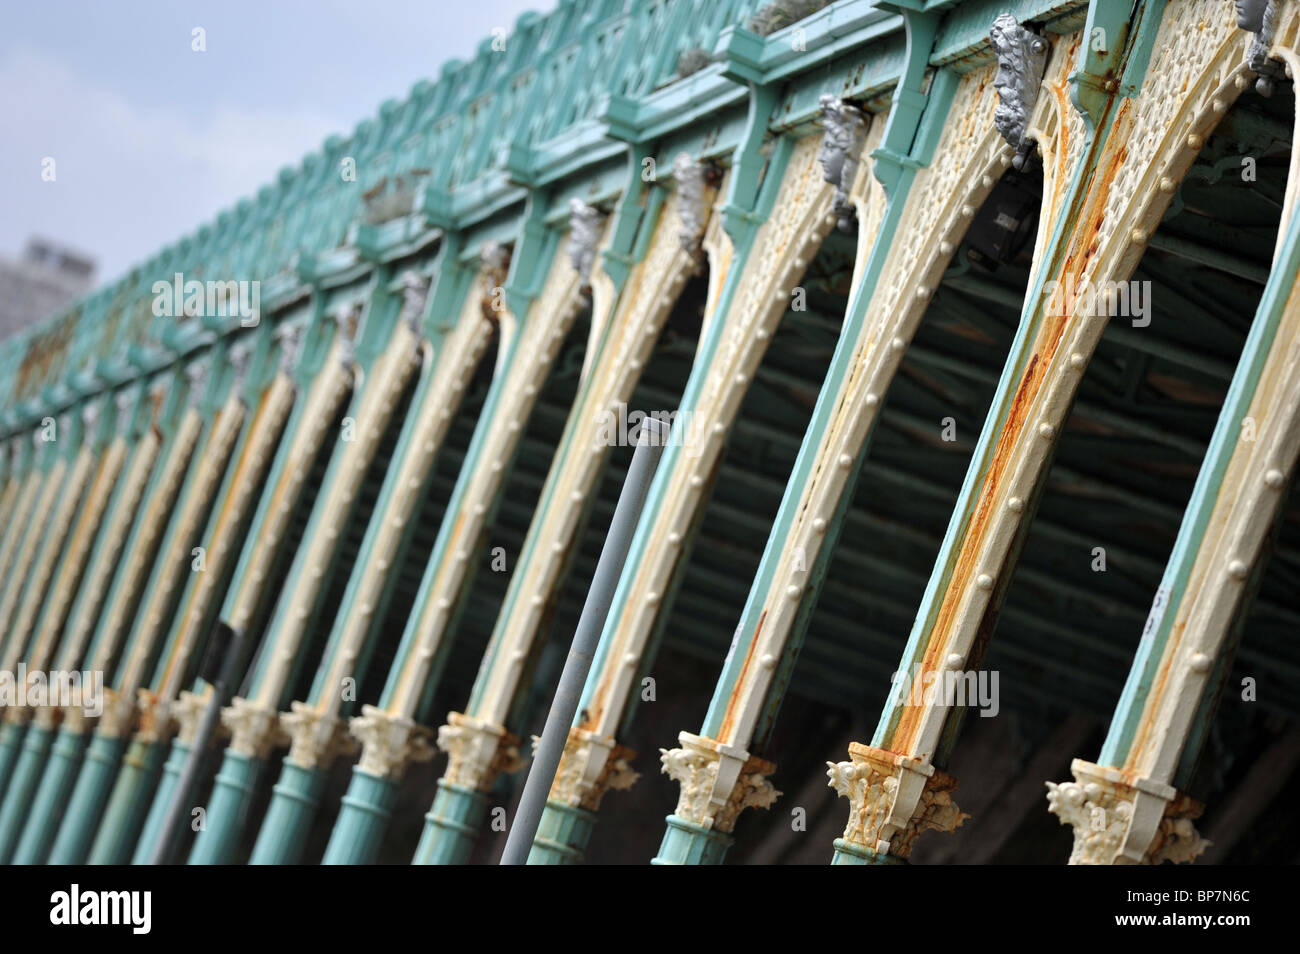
650,444
220,666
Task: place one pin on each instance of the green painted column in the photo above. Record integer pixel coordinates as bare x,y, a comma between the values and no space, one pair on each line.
455,347
232,791
294,801
452,825
35,820
127,805
686,843
86,806
23,782
162,796
562,835
54,791
363,819
11,737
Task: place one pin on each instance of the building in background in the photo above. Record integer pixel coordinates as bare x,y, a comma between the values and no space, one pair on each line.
44,279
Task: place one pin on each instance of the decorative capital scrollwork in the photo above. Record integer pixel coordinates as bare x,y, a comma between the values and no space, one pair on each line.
893,799
389,742
591,766
1119,820
477,751
717,781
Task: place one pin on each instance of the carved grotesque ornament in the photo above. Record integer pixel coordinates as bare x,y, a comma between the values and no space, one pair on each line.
1022,58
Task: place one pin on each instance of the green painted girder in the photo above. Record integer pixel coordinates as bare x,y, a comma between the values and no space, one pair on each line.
466,123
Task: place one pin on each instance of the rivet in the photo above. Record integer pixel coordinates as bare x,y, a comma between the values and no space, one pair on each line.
945,248
1237,570
1167,184
629,660
819,524
792,591
1077,361
768,661
967,211
1015,505
1273,479
846,460
762,334
1046,430
872,400
1194,141
955,661
1138,236
898,344
985,582
696,480
1219,105
1241,82
922,293
675,538
652,598
986,181
1200,662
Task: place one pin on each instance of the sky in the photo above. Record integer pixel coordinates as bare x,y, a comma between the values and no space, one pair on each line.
151,138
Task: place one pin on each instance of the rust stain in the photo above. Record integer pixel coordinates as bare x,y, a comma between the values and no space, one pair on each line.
1080,253
729,718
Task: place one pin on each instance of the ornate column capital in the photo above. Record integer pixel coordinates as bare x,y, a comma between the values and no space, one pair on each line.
893,799
188,713
254,728
316,738
591,766
389,742
477,751
155,716
1119,819
118,718
718,781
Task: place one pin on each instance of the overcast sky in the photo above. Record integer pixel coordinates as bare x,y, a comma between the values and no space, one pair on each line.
151,139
